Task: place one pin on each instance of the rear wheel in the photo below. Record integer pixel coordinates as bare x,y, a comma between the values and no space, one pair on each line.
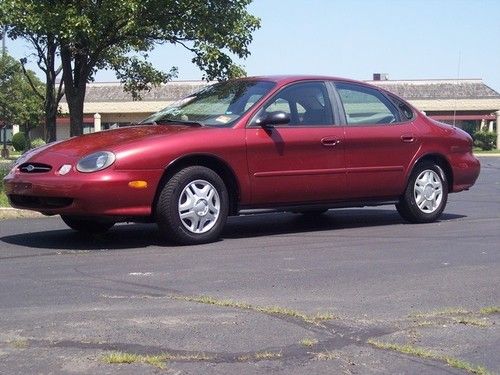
86,225
425,196
193,206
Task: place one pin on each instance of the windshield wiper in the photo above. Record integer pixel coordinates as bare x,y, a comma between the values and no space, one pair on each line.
183,122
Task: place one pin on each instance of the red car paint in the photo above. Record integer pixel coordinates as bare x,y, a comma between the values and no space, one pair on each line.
279,166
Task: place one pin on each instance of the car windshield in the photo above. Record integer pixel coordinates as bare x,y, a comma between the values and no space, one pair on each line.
220,104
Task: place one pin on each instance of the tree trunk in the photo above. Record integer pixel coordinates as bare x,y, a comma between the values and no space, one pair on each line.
75,84
51,95
75,104
50,134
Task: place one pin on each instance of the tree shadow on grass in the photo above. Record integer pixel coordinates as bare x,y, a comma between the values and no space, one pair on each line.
130,236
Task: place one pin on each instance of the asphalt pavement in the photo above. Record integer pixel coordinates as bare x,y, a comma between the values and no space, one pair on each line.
344,292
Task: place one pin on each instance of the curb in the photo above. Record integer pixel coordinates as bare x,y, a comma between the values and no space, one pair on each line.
14,213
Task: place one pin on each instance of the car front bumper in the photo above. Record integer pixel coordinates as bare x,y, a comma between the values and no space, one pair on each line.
103,193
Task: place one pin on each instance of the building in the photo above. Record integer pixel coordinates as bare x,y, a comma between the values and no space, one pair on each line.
467,103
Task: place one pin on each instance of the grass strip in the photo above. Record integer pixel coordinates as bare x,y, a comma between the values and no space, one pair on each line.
270,310
420,352
158,360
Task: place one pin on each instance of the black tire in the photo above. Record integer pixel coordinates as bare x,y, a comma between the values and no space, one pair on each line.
408,206
86,225
168,209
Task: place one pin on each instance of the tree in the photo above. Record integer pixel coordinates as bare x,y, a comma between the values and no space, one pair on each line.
118,34
46,60
18,104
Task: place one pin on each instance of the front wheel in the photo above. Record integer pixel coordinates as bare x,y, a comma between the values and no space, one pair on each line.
86,225
193,206
425,196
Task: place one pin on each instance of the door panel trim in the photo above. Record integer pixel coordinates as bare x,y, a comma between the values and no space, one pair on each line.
301,172
396,168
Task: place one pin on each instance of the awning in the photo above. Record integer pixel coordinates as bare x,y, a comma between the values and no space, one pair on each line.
65,120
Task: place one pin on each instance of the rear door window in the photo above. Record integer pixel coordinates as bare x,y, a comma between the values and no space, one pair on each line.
364,105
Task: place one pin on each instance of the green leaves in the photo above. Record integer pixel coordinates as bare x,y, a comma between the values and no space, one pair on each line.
18,103
98,34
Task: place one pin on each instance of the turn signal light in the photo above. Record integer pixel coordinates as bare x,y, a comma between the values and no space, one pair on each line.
138,184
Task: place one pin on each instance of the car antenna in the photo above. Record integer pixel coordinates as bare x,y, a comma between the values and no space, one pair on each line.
458,82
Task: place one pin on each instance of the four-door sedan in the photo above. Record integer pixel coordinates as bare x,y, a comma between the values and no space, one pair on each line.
301,144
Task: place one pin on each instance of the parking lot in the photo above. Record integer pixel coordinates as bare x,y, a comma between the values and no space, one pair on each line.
354,291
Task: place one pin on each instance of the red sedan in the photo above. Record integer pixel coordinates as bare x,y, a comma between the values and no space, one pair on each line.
301,144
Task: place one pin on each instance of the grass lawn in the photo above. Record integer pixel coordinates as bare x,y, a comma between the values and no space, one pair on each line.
478,151
4,169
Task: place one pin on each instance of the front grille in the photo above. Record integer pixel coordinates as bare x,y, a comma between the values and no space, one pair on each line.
35,168
30,201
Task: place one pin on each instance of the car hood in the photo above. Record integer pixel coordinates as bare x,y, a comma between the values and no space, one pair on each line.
111,140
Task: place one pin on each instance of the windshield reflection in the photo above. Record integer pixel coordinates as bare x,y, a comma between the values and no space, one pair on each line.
219,105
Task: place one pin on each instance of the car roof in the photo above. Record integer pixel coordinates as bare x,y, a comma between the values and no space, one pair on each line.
284,79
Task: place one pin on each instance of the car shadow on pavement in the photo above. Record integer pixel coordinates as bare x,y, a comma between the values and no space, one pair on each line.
120,237
288,223
129,236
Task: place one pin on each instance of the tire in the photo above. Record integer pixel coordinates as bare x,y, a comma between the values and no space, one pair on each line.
192,206
85,225
425,195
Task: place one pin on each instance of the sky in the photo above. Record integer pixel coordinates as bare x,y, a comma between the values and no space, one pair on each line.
407,39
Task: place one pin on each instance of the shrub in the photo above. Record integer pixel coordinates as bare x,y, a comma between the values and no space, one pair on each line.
37,142
485,140
19,141
469,126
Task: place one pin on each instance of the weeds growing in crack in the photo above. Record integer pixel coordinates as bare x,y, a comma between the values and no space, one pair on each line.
454,316
490,310
420,352
260,356
308,342
270,310
19,343
158,360
327,356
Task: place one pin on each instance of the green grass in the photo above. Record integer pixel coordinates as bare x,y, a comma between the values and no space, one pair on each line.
270,310
4,169
308,342
420,352
128,358
490,310
158,360
482,152
20,343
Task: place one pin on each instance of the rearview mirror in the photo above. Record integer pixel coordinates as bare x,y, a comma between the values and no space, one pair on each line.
272,118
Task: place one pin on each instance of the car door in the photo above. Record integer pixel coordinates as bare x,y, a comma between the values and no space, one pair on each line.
380,142
302,161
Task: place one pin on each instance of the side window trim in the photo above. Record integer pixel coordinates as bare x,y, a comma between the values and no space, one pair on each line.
388,102
329,107
336,104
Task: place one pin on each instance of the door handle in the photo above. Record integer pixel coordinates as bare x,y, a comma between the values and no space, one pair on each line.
407,138
330,141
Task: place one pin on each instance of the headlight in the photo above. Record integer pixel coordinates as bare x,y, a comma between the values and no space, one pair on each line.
96,161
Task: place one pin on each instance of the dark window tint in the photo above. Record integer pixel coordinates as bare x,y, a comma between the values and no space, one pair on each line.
364,105
404,109
306,103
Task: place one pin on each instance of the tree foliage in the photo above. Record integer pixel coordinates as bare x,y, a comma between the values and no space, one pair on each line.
118,34
18,104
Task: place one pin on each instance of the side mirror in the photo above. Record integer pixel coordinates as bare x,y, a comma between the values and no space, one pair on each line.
267,120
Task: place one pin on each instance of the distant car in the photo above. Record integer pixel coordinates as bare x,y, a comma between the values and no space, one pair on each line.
290,143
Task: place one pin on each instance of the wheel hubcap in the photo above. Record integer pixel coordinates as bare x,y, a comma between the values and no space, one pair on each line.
199,206
428,191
